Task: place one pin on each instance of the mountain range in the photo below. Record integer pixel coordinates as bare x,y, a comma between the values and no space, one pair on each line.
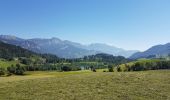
64,48
155,51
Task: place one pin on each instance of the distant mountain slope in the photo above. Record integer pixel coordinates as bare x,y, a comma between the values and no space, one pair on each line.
111,50
20,42
158,50
8,51
61,48
64,49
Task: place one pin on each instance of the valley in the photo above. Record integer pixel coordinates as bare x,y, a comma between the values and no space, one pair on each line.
84,50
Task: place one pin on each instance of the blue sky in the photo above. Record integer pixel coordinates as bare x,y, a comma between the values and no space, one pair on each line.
128,24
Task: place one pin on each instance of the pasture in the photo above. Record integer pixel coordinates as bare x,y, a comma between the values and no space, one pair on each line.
87,85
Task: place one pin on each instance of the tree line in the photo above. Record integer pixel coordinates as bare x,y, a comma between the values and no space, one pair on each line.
17,70
145,65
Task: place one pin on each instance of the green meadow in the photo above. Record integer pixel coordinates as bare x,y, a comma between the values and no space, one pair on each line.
87,85
5,63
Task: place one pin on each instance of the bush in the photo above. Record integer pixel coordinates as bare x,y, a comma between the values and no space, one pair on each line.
151,64
94,70
110,67
111,70
17,70
104,70
66,68
9,74
11,69
2,71
137,67
119,69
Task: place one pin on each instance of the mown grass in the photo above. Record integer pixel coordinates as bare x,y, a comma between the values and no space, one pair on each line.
86,85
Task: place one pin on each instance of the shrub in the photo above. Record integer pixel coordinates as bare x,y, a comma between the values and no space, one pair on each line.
11,69
110,68
66,68
2,71
104,70
151,64
138,67
119,69
17,70
94,70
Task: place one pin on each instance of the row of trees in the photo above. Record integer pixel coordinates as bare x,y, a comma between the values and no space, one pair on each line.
145,65
17,70
106,58
50,67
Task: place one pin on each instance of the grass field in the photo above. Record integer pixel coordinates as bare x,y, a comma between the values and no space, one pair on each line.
86,85
5,63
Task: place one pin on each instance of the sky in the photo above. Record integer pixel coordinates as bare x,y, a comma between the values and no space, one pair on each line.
128,24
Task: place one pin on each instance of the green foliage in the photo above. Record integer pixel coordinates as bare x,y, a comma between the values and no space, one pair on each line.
93,68
104,71
119,69
2,71
9,52
106,58
147,64
110,68
5,63
66,68
17,70
25,61
137,67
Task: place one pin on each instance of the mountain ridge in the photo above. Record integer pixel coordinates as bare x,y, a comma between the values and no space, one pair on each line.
154,51
64,48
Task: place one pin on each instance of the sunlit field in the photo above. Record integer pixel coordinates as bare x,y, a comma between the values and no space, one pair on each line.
87,85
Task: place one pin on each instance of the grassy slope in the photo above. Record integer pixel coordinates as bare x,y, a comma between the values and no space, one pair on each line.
148,85
5,64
